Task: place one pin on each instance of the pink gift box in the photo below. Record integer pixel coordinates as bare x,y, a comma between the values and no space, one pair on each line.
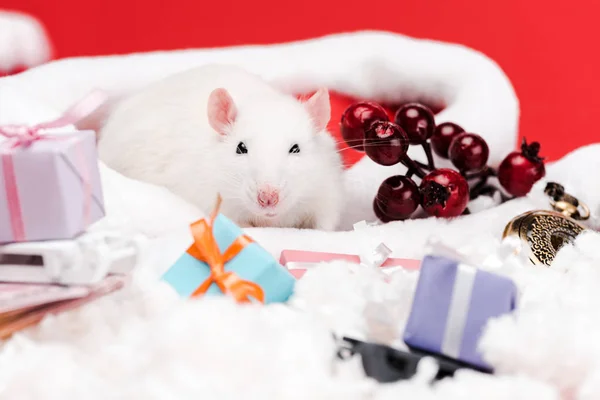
298,261
50,190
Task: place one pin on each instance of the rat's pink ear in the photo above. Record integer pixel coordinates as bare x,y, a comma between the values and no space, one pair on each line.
319,108
221,111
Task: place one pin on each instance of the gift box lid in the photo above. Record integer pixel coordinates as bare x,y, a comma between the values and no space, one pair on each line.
306,258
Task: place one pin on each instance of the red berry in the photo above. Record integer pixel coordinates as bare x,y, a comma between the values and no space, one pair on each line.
397,198
469,152
378,213
357,119
519,171
417,121
385,143
445,193
442,137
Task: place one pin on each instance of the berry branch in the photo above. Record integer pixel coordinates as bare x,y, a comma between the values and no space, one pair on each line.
481,187
442,192
413,167
424,166
484,173
427,149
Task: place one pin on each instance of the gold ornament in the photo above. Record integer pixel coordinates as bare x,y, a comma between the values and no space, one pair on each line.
545,232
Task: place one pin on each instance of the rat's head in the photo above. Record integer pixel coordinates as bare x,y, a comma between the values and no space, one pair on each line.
277,155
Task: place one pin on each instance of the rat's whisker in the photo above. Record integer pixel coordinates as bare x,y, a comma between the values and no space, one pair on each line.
349,141
377,144
381,200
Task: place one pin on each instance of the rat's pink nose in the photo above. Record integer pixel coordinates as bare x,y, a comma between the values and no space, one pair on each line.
268,197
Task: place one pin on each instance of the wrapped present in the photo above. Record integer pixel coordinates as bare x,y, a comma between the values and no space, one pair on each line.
375,255
453,302
50,186
298,261
386,364
222,260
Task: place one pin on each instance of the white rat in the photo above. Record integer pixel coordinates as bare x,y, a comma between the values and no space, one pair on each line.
218,129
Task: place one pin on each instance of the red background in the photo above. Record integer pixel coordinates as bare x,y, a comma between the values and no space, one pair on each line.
547,48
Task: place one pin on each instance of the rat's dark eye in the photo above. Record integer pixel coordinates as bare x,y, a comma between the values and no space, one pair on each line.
241,148
295,149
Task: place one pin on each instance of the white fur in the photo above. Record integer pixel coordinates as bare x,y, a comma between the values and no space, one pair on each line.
23,41
162,135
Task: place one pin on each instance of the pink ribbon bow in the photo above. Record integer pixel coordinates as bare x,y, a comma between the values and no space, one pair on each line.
21,136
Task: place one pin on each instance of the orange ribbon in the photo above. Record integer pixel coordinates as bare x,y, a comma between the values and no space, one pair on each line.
205,249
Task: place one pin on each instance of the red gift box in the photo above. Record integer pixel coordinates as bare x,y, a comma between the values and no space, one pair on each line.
298,261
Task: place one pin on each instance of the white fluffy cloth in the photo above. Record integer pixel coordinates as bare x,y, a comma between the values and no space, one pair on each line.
144,342
23,41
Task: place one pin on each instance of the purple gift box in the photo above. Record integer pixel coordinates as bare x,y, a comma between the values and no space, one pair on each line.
51,189
452,304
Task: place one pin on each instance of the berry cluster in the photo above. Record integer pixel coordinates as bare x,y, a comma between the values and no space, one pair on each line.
443,192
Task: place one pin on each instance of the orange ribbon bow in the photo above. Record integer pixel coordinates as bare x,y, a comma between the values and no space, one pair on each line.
205,249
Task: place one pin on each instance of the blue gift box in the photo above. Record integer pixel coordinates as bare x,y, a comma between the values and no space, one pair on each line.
453,302
253,264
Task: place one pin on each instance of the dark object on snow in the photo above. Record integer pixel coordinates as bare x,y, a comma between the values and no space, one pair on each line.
386,364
